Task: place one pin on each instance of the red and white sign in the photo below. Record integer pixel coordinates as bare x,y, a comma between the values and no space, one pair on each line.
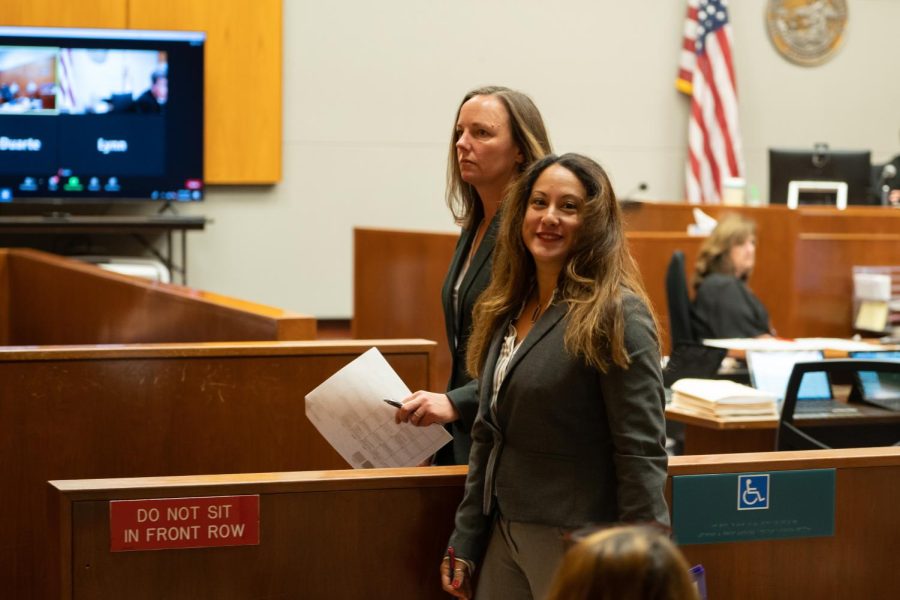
172,523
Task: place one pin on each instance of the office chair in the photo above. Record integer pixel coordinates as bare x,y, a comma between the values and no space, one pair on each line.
852,431
679,303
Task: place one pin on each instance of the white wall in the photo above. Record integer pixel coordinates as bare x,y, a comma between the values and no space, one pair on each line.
371,88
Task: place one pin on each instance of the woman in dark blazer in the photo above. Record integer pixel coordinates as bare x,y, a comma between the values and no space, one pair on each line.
570,427
723,306
497,133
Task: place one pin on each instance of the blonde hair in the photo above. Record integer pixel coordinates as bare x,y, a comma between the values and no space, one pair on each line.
599,272
635,562
529,136
714,257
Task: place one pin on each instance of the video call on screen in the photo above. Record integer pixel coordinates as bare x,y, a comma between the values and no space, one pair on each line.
129,117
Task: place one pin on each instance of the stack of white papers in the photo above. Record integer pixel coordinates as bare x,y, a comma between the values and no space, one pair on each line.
721,398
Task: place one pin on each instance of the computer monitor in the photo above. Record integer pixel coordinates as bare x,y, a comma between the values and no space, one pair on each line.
770,372
106,115
874,385
853,167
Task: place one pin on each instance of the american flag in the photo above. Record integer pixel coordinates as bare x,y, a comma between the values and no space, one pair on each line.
706,74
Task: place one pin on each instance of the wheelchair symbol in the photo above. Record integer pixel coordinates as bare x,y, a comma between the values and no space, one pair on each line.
753,492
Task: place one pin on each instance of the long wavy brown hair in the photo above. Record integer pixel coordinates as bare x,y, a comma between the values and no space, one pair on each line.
715,253
599,272
528,133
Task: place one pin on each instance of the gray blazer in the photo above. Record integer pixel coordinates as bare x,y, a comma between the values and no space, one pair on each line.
567,445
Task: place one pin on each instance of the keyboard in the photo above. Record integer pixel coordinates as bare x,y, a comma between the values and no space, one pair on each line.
887,403
823,407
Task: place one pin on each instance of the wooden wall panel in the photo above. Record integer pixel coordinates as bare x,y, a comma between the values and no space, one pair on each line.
824,296
852,220
243,81
65,13
397,279
158,410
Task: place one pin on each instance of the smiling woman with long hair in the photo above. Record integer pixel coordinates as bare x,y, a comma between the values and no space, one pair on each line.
570,426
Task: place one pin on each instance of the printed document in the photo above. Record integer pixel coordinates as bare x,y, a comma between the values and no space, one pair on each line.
349,411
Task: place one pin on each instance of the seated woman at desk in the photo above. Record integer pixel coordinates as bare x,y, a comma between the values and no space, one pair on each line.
724,307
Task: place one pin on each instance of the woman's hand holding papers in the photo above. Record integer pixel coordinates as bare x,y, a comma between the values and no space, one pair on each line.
425,408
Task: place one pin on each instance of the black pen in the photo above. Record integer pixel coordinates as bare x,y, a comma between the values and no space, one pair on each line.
394,403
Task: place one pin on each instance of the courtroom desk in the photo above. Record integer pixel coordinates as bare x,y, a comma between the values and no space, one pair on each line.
708,435
381,533
854,219
676,216
48,299
705,435
159,409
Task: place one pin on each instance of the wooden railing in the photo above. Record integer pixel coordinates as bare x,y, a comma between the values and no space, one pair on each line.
159,409
381,534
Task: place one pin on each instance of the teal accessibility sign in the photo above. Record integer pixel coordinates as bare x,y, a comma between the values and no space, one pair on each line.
738,507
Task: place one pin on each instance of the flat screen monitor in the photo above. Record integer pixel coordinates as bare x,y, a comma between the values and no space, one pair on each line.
100,114
877,386
771,371
853,167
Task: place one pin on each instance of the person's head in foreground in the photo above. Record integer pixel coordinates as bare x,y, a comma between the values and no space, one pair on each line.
624,563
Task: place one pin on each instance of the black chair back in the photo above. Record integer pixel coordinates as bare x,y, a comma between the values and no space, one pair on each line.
679,302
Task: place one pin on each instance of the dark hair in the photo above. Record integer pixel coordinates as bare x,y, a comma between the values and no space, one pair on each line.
598,273
624,563
528,133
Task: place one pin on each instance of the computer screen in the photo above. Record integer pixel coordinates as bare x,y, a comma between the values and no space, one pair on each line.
875,385
771,371
821,164
100,114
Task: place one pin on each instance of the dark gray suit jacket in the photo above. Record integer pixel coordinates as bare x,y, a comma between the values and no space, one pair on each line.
567,445
461,389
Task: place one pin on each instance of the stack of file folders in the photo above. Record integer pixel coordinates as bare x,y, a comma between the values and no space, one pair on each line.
723,399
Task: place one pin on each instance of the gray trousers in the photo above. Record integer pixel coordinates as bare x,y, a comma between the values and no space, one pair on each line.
520,561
